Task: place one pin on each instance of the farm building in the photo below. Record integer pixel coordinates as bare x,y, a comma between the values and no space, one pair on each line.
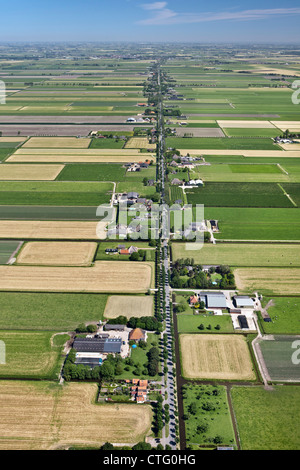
112,327
243,301
98,345
243,322
137,335
215,300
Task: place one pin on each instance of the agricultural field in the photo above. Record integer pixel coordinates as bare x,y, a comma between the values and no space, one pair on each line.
269,281
29,172
239,195
49,311
56,142
57,253
278,407
277,354
129,306
284,313
30,410
218,357
8,250
32,354
212,323
60,230
246,254
103,276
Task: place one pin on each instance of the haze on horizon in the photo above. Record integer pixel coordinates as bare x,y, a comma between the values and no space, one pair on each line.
156,21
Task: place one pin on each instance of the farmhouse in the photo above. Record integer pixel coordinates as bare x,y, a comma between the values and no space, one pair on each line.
137,335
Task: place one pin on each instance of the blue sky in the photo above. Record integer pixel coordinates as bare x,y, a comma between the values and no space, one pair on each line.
141,21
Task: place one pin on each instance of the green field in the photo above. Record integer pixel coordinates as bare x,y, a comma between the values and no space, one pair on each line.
206,416
246,254
190,323
255,223
278,354
53,312
267,419
285,315
29,354
7,248
92,172
55,193
46,212
224,143
239,195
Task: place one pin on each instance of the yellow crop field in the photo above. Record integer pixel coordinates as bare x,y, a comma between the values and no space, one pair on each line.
139,143
281,281
245,153
52,230
45,416
217,357
129,306
104,276
29,172
82,152
57,253
56,142
104,158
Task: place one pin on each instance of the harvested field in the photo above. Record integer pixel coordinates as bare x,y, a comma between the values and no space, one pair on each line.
60,230
42,416
292,126
200,132
12,139
104,276
245,153
290,147
139,143
80,158
29,172
82,152
219,357
57,253
56,142
282,281
247,124
130,306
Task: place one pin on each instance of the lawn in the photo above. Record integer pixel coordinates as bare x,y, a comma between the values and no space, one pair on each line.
279,409
53,312
207,416
190,323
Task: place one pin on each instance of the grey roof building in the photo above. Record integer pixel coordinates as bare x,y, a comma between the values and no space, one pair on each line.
243,301
98,345
214,299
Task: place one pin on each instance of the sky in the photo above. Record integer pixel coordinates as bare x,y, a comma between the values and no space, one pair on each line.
233,21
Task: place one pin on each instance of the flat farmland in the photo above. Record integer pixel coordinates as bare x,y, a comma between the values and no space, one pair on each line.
284,313
57,142
127,156
246,254
104,276
255,223
61,230
239,195
139,143
57,253
200,132
219,357
56,193
46,212
129,306
31,354
30,172
246,124
279,408
40,416
280,281
7,248
49,311
92,172
248,144
277,354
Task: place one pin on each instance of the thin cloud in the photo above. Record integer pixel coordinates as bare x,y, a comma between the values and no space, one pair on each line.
165,16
